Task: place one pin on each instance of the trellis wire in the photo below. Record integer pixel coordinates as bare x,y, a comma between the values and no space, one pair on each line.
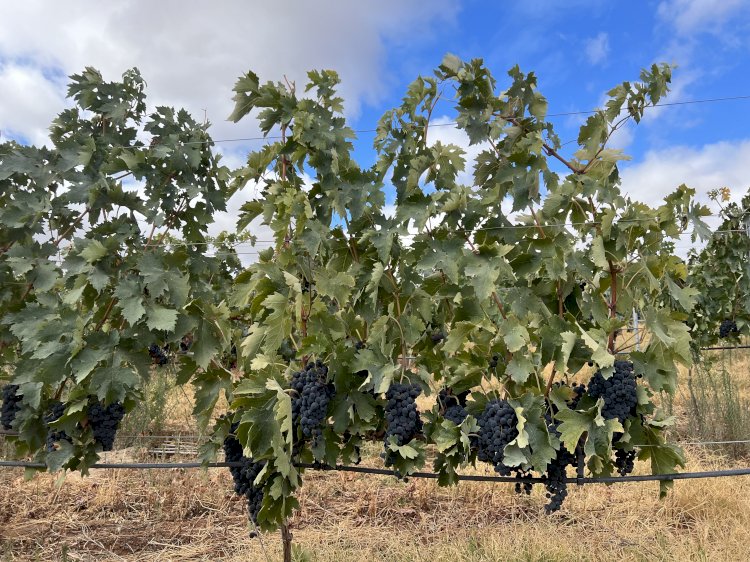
580,480
454,123
195,437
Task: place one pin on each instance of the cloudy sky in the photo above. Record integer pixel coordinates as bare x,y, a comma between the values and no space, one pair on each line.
190,54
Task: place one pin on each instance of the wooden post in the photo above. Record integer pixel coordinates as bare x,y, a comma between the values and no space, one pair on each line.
286,541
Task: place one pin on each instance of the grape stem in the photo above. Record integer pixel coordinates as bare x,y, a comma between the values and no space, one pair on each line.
612,305
550,380
59,392
536,221
71,227
106,315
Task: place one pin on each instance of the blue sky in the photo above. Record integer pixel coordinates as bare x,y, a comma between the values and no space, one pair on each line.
580,49
191,53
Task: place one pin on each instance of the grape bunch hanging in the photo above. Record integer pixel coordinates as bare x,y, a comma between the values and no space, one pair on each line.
159,355
728,328
453,406
55,436
11,405
312,393
103,420
619,391
401,415
244,474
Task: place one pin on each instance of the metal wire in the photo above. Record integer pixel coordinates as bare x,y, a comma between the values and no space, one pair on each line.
190,439
453,123
428,475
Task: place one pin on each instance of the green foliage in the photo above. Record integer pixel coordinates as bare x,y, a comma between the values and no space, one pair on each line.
451,258
719,277
539,262
89,279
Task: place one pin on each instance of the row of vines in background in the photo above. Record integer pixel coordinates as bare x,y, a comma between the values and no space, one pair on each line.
506,295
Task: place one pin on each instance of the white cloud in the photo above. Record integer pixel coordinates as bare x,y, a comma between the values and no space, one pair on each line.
695,16
27,99
597,48
191,53
443,130
622,137
721,164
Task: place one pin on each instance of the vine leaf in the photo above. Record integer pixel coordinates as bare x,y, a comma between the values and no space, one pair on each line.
161,318
129,295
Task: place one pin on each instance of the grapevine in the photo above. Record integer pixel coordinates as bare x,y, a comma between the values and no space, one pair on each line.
717,282
378,283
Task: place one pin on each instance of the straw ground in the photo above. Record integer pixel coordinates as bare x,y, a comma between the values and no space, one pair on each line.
193,515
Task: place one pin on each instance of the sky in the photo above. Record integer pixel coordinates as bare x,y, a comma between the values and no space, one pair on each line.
190,54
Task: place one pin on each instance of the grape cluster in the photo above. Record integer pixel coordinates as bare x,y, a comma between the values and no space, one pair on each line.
11,405
578,391
497,428
310,402
158,355
437,337
557,487
618,391
624,461
494,360
401,412
523,486
104,422
244,475
728,328
452,405
555,484
54,413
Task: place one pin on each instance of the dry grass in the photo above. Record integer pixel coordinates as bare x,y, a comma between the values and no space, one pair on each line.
193,515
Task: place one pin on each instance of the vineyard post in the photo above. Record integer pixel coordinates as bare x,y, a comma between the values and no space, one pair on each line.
637,330
286,540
